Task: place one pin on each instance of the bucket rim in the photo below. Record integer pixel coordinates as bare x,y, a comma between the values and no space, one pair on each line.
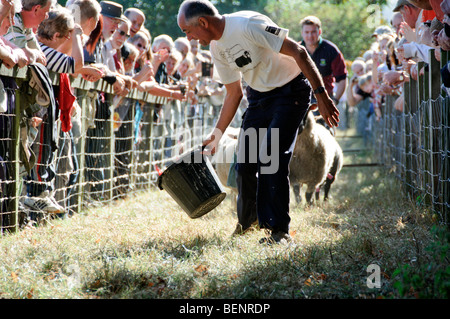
180,161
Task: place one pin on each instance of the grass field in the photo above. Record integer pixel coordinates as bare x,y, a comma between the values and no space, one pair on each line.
145,246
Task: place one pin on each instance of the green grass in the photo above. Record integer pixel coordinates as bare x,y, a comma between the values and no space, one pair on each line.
147,247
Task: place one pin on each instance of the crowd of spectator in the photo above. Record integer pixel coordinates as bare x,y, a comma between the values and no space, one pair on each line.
95,41
416,27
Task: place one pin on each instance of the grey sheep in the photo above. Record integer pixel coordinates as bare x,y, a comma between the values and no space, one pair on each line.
316,161
224,158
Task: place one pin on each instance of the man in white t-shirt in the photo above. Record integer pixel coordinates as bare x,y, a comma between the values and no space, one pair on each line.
277,69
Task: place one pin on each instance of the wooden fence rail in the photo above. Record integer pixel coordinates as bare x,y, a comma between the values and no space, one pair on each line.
96,150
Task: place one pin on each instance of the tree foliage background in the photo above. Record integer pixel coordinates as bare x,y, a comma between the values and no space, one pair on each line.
348,23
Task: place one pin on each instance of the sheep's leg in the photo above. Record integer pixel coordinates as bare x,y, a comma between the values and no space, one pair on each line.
296,188
310,190
326,188
309,197
317,193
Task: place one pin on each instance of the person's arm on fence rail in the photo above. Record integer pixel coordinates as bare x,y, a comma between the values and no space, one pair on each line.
395,78
145,74
20,55
7,57
153,88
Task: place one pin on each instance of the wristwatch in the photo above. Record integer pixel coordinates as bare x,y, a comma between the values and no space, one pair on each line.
319,90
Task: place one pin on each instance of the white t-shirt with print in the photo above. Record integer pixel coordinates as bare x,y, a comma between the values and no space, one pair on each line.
250,46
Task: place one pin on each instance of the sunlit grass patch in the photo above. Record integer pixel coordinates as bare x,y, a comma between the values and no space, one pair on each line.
147,247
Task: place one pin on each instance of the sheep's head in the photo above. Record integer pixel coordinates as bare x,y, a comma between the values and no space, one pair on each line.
307,123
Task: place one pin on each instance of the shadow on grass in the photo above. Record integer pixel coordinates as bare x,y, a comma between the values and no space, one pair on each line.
117,280
367,207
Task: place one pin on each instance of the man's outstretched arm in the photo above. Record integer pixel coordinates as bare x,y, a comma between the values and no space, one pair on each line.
325,104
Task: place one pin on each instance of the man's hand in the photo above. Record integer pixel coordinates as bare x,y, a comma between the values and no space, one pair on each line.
394,78
177,95
211,143
8,59
386,89
91,73
22,59
408,32
130,83
327,109
408,65
119,86
35,56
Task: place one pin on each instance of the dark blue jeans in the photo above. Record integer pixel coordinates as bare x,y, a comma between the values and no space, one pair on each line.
263,180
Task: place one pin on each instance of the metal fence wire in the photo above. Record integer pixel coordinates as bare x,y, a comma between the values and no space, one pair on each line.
113,149
414,143
118,147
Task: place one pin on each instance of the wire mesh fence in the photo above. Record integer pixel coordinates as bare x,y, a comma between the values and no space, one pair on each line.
115,147
414,142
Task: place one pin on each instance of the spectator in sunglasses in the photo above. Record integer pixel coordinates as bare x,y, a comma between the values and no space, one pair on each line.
114,58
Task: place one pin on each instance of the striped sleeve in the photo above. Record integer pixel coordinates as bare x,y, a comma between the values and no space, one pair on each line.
58,62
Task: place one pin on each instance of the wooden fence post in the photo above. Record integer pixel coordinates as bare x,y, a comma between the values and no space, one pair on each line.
445,145
10,220
435,90
16,189
81,152
407,136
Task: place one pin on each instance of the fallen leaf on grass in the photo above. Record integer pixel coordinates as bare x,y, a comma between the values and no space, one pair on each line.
308,282
315,279
14,276
203,269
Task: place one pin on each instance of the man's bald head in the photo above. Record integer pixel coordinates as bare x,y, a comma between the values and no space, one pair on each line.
137,19
193,9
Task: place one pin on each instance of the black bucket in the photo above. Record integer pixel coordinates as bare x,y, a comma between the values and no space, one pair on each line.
193,183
